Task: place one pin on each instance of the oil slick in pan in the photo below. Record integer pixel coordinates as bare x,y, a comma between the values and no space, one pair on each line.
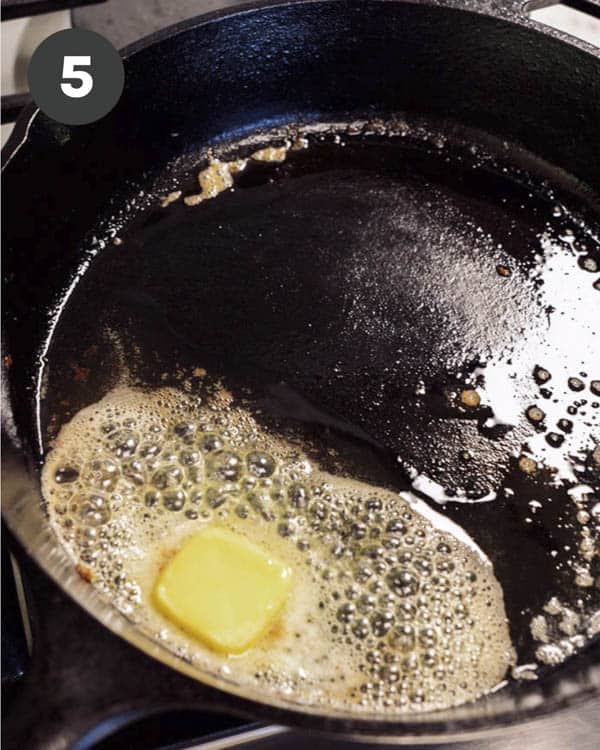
392,607
388,661
495,387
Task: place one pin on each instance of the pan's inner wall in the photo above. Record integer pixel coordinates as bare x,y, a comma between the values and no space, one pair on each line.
304,62
284,63
357,289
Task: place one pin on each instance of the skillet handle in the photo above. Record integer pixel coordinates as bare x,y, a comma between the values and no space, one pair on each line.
83,682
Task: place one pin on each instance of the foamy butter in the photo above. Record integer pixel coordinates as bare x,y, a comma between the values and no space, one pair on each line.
271,154
218,175
392,608
214,179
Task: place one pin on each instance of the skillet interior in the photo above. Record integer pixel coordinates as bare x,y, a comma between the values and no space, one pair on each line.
280,79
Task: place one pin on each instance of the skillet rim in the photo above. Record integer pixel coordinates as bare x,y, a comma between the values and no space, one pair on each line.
421,727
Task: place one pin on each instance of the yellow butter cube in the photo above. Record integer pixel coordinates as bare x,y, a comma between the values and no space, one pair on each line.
223,589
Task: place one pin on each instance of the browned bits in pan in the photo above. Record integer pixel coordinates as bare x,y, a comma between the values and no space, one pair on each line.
214,179
576,384
541,374
270,154
84,572
527,465
588,263
170,198
535,414
470,397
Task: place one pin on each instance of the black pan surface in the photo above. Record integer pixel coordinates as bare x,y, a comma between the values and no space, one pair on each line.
361,285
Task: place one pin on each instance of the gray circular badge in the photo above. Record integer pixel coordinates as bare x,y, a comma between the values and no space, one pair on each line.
76,76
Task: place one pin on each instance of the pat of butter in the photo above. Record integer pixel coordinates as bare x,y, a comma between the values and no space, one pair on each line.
223,589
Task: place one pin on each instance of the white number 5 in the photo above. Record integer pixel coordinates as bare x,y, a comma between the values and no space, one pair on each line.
86,82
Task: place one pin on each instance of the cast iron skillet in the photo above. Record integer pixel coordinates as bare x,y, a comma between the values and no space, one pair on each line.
306,306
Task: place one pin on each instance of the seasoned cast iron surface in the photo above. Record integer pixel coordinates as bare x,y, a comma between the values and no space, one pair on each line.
212,80
361,288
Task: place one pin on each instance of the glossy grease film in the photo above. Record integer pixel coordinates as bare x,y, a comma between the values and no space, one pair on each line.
405,320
